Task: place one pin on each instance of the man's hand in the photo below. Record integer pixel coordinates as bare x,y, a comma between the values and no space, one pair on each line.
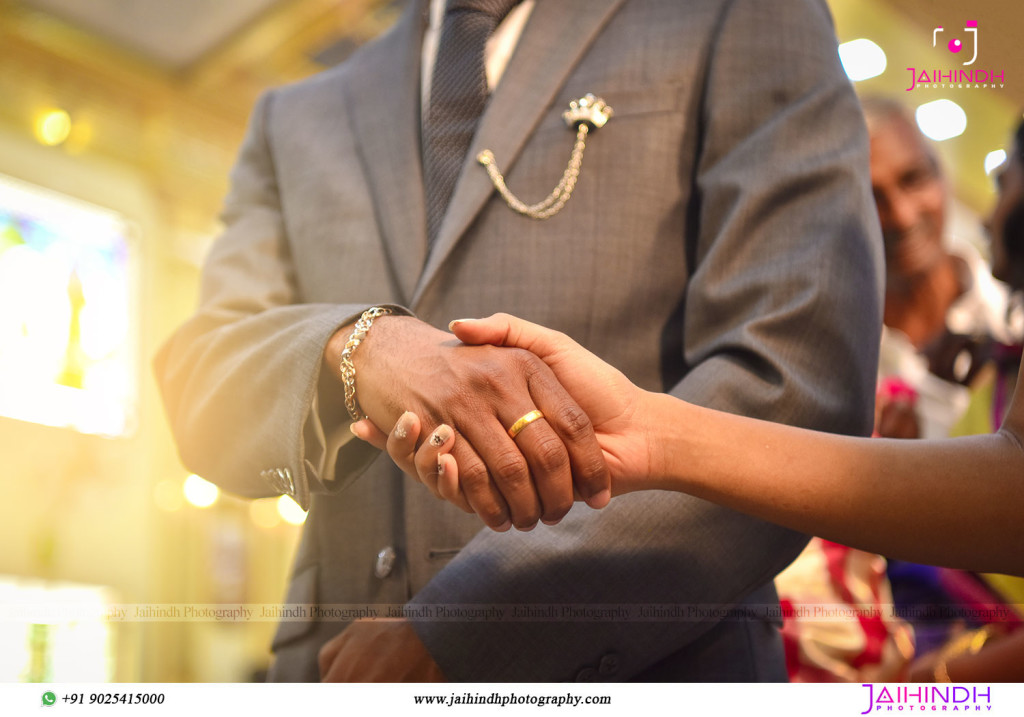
405,364
610,400
378,651
619,411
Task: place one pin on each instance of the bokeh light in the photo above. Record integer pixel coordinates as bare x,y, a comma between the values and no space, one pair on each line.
994,160
52,127
941,119
862,59
290,511
199,492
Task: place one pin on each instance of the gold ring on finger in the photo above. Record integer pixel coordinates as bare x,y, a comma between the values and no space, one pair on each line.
524,422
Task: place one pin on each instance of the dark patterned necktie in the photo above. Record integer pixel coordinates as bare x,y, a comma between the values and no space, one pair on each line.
458,93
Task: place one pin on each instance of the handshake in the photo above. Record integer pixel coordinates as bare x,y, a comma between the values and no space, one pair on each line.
502,417
469,430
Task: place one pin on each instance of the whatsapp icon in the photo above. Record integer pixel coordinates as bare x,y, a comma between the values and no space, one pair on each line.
49,699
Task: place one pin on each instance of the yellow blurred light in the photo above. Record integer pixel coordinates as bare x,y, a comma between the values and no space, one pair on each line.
200,493
52,127
264,513
290,510
167,495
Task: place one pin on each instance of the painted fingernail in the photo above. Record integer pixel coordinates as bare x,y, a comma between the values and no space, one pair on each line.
441,434
404,424
453,324
440,466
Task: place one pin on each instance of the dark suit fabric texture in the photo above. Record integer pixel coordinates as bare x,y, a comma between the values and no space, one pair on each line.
721,245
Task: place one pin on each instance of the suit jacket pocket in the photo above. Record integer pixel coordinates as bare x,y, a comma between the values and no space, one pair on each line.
644,100
302,593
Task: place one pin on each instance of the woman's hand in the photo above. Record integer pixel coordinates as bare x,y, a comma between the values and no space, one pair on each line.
432,463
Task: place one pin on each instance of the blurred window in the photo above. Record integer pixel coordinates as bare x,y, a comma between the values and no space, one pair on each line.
55,632
66,325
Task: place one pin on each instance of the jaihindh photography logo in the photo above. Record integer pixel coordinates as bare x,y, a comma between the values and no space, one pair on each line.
957,68
927,698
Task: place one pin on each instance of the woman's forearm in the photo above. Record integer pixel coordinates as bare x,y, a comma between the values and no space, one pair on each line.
952,502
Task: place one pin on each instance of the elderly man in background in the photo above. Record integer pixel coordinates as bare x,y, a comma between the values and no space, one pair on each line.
941,302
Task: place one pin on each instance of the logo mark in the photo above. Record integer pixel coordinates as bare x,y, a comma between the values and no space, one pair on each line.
964,77
956,45
49,699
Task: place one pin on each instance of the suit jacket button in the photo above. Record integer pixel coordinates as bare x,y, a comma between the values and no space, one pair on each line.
609,665
587,674
385,562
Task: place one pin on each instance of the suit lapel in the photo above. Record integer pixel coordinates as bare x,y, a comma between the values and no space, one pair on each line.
555,38
383,104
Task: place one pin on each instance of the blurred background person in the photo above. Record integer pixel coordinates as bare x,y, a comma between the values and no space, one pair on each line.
942,305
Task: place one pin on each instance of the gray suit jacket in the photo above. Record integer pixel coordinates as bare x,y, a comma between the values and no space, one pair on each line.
721,245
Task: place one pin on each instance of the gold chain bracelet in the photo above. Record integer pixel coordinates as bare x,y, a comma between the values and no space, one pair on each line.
348,369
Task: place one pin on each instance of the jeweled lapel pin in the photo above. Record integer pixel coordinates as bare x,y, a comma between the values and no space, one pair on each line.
585,115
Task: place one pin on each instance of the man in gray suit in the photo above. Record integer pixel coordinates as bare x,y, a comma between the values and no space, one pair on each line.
720,244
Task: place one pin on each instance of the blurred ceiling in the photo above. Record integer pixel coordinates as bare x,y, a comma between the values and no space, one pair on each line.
166,86
221,53
178,35
174,34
